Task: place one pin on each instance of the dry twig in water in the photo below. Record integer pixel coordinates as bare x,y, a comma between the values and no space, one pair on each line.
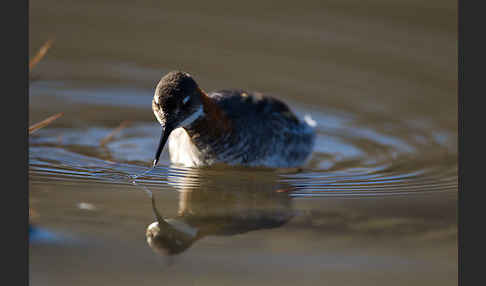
44,122
40,54
110,136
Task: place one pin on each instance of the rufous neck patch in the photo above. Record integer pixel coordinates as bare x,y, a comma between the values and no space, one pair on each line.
214,114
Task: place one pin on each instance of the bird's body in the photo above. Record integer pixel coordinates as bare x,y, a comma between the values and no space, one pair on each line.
261,131
239,128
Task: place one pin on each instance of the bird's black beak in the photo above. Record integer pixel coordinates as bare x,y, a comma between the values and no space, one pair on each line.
163,139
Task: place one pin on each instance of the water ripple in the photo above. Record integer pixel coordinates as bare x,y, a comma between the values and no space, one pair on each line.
350,159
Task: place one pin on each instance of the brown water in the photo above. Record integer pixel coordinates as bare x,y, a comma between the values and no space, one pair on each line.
375,206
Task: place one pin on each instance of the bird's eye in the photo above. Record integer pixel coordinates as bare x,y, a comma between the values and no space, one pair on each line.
186,99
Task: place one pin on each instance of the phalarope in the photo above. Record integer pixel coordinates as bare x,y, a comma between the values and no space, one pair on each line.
234,127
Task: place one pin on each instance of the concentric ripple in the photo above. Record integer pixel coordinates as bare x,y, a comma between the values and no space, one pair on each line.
351,158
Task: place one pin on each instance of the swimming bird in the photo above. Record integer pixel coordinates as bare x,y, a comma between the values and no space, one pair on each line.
232,126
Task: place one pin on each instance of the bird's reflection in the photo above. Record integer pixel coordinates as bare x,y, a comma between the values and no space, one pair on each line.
211,204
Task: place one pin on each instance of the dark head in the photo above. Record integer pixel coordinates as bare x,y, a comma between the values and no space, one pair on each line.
166,239
177,103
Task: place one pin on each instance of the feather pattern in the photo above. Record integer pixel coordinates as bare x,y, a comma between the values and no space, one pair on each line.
252,130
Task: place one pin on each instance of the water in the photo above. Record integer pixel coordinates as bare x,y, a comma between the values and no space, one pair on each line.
375,205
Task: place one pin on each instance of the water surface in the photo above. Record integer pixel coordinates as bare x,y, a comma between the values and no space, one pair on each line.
376,205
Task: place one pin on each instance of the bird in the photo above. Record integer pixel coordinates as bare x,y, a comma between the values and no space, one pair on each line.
230,126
